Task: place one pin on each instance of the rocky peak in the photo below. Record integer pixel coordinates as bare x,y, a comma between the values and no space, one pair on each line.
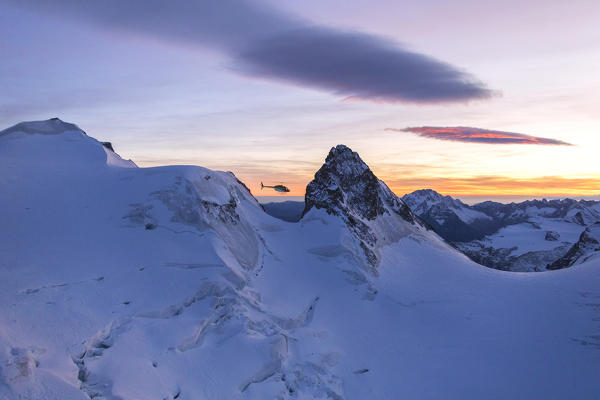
345,186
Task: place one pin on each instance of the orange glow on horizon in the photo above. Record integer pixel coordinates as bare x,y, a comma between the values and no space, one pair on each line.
297,176
501,186
493,186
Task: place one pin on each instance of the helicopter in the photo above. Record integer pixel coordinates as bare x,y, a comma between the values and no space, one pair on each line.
278,188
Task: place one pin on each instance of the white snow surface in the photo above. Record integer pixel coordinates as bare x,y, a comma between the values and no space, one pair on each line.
119,282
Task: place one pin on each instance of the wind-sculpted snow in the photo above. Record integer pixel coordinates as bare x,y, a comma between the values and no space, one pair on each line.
188,202
173,283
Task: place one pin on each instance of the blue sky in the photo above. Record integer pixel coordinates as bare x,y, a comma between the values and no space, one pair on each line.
265,88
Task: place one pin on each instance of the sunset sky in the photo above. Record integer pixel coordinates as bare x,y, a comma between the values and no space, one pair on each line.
465,97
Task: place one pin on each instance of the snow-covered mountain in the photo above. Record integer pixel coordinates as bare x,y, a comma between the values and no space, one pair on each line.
345,186
451,218
523,236
118,282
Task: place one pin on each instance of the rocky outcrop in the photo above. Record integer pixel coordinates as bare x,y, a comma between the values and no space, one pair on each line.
552,236
503,258
108,145
586,246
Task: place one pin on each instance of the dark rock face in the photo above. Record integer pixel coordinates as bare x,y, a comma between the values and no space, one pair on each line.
578,219
588,244
108,145
343,183
345,186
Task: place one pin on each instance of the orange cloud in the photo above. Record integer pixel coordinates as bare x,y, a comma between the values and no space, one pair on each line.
477,135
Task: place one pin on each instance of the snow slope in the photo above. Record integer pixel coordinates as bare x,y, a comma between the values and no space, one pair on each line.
119,282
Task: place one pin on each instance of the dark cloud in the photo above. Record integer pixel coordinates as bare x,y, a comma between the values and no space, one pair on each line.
265,42
477,135
358,66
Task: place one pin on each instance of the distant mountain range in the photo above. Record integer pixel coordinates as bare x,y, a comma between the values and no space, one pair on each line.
451,218
528,236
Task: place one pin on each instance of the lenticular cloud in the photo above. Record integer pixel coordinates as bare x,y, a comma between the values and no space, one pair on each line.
264,42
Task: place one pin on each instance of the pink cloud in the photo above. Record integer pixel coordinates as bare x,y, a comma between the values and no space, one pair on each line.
477,135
